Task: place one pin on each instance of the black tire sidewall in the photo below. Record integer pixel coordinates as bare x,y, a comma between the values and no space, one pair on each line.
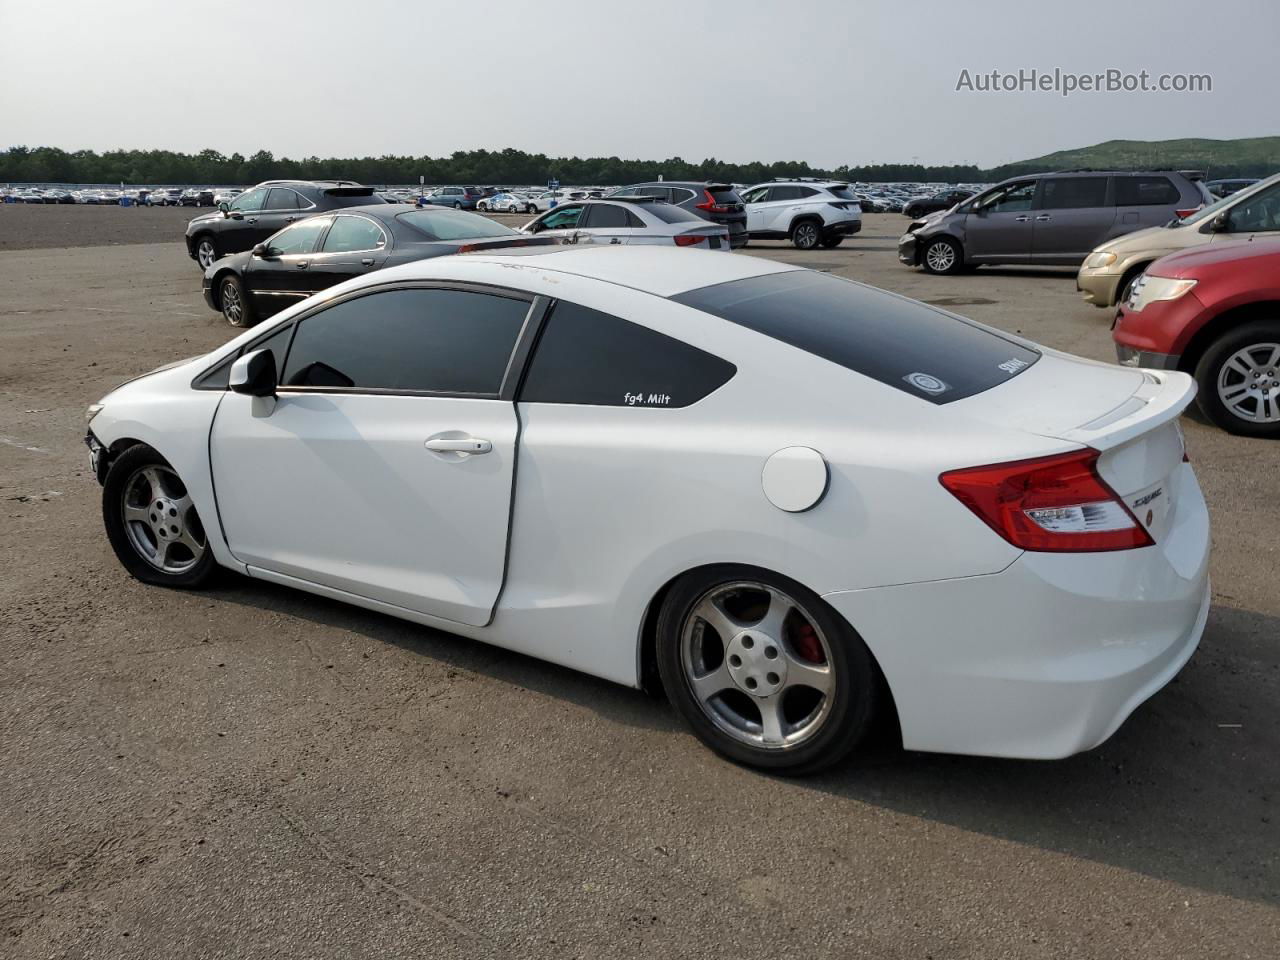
795,233
1257,331
857,677
122,468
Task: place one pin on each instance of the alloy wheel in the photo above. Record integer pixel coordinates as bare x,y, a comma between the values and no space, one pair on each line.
232,304
941,257
758,665
1249,385
205,254
806,236
160,520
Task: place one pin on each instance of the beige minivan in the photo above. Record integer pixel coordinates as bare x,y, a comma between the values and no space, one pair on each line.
1110,270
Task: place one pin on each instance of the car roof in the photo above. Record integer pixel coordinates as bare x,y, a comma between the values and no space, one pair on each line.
662,271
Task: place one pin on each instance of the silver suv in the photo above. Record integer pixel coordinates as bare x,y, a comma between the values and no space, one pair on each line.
1053,219
809,213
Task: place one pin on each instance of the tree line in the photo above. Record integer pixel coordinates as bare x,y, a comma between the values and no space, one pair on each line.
22,164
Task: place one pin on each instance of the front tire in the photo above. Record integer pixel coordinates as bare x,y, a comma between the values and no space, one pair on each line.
152,523
764,671
1239,380
206,252
942,256
236,306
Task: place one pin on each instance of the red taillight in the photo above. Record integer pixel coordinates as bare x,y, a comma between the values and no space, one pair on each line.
1056,504
688,240
1183,214
711,205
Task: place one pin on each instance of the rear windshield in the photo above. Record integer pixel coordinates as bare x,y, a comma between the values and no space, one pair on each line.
722,194
841,193
668,213
352,196
903,344
444,224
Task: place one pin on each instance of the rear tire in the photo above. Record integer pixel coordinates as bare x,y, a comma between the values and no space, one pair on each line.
206,251
806,235
942,256
236,306
763,667
151,522
1239,380
457,204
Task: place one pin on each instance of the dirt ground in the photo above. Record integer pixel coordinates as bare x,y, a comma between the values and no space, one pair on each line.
254,772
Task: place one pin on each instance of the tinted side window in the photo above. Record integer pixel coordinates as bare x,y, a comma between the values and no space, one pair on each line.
802,192
278,344
606,215
633,220
282,198
784,193
585,356
662,193
1257,213
1145,191
1067,193
680,194
353,233
299,238
561,218
901,343
250,200
447,341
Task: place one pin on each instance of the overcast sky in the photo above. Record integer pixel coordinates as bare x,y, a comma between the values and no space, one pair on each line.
825,81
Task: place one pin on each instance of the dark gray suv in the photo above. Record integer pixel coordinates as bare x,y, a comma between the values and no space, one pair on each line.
1054,219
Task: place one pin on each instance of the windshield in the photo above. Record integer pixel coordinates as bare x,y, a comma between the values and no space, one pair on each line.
445,224
841,193
1213,209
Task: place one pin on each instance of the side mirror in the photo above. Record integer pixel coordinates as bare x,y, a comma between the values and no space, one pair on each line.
224,206
1221,223
254,374
262,250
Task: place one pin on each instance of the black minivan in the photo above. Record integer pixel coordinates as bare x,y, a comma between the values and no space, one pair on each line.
717,202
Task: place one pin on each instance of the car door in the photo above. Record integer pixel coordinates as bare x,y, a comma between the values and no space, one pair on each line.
606,223
1071,216
997,227
237,232
1256,216
354,245
283,206
753,201
560,223
777,209
279,276
384,467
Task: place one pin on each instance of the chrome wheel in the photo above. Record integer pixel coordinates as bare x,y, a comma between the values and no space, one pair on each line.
805,236
1248,385
232,304
758,665
940,257
206,253
160,520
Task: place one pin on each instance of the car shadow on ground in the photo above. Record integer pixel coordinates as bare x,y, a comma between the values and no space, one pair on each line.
1187,791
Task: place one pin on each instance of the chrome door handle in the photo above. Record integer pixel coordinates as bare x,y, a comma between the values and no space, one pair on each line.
290,219
615,240
251,219
303,264
1044,216
465,445
367,262
1022,219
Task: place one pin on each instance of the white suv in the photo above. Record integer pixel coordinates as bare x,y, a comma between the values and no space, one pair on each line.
809,213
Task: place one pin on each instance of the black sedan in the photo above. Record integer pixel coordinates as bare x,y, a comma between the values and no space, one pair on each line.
314,254
940,201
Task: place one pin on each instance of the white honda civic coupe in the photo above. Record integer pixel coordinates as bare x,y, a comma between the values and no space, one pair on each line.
791,501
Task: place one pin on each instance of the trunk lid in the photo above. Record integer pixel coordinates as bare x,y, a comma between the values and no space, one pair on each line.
1130,416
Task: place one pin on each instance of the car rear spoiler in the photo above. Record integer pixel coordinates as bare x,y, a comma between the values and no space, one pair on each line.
1163,396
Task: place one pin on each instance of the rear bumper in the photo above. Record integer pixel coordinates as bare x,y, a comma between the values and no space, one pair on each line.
1048,657
842,228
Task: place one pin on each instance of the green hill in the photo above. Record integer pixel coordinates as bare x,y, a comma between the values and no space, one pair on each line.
1253,156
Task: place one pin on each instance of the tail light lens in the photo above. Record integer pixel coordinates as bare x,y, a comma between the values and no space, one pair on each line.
689,240
1183,214
1052,504
711,205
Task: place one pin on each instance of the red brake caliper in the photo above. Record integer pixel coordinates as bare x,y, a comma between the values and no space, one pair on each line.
805,641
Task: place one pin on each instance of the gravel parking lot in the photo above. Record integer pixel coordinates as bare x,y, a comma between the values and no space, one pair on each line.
251,771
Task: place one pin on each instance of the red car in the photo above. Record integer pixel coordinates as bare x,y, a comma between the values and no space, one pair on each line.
1213,312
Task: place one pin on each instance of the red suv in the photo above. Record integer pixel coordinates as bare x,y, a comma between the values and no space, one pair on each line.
1213,312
